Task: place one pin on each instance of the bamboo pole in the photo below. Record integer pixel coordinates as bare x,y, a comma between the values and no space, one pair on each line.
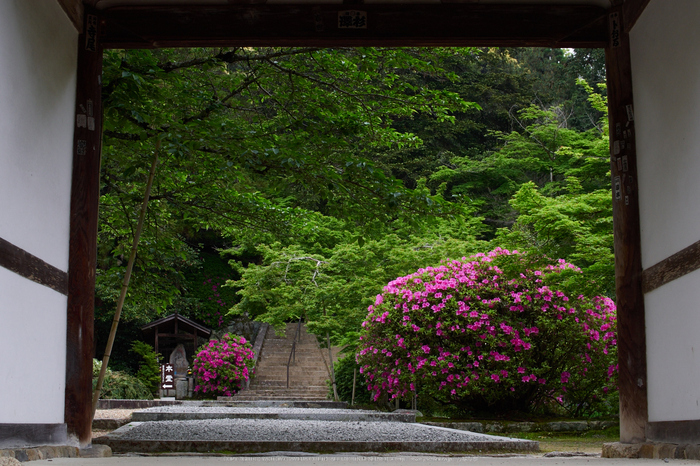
125,283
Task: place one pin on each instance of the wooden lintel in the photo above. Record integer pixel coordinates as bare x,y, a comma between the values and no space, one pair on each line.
632,10
32,268
85,193
452,24
184,336
74,11
628,261
673,267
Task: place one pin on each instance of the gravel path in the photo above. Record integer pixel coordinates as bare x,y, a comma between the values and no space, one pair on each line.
295,431
114,413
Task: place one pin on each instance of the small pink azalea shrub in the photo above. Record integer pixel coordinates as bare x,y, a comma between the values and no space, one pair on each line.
221,366
491,332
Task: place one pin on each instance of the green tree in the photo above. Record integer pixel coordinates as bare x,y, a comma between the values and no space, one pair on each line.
332,287
250,140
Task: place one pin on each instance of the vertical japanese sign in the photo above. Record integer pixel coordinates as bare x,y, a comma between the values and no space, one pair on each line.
91,33
167,376
615,30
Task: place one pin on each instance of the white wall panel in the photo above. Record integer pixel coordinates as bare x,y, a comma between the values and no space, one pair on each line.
32,351
38,61
38,57
666,75
673,350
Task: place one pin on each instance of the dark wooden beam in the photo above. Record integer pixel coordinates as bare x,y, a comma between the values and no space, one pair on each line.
74,10
184,336
85,192
386,24
632,10
631,339
673,267
32,268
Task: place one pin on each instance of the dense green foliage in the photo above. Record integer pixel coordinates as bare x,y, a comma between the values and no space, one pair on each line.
250,141
332,286
323,174
119,385
346,369
149,366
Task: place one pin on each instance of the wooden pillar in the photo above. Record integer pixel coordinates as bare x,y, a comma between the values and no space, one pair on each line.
85,192
628,260
156,342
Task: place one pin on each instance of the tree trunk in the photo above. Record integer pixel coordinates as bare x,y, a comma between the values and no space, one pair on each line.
125,283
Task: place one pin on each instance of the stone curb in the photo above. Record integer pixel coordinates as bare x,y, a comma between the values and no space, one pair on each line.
41,453
55,451
651,451
144,416
204,446
135,404
108,424
509,427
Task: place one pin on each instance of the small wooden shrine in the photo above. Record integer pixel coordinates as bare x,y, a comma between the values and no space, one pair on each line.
172,330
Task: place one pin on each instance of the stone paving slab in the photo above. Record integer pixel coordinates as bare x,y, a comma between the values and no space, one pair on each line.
233,402
186,413
264,435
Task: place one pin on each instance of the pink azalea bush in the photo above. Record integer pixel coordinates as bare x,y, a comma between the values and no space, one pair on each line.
221,366
491,332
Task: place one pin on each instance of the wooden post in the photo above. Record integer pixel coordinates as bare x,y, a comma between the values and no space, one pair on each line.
628,261
85,193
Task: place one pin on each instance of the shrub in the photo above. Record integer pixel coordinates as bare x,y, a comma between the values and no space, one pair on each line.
222,365
344,373
149,367
489,333
118,385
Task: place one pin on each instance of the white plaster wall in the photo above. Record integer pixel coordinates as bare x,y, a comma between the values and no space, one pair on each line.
38,56
32,351
666,75
673,348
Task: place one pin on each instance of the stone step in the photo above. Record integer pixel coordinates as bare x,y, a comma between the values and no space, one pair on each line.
279,398
307,374
273,385
293,370
300,361
282,394
282,349
186,413
228,401
246,435
282,382
296,389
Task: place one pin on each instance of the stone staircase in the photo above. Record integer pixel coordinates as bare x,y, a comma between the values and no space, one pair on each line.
307,374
